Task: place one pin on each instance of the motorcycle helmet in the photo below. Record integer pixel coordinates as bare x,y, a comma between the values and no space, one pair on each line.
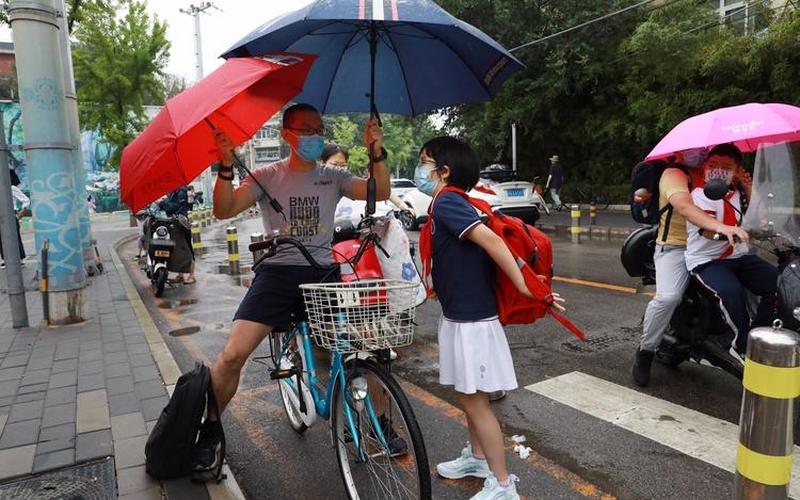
789,295
637,253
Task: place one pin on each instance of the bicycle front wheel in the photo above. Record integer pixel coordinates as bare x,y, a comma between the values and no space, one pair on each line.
378,442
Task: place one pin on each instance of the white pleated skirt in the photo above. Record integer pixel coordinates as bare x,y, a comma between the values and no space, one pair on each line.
474,356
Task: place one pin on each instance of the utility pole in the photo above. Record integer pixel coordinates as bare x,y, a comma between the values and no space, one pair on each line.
514,146
195,11
78,169
8,231
48,150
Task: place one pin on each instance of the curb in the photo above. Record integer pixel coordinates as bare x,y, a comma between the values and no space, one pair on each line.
229,488
594,233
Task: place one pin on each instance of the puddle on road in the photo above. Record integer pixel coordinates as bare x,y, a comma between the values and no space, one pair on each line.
180,332
174,304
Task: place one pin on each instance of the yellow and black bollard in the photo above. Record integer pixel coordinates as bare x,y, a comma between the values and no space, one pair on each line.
197,242
575,229
771,383
233,251
43,284
209,219
593,214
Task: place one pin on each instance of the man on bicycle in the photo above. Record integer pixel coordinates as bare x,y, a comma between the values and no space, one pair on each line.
308,193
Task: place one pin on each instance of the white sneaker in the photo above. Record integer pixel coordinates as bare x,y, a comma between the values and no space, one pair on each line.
492,490
463,466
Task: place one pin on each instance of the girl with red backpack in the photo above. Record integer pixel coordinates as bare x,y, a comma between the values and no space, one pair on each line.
474,356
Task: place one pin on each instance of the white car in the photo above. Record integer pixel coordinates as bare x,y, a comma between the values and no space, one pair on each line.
401,186
519,198
353,210
419,202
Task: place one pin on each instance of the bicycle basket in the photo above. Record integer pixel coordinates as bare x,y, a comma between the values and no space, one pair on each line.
363,315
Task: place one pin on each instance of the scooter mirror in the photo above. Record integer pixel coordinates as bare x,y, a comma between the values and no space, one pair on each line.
715,189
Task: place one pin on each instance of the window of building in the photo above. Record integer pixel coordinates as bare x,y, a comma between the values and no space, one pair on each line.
268,154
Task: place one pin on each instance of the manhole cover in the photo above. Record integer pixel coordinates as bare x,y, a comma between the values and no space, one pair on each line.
598,343
93,481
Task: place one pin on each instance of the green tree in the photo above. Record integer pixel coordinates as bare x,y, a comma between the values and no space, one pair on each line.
119,63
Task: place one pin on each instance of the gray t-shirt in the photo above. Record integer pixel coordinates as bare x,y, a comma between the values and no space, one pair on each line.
309,201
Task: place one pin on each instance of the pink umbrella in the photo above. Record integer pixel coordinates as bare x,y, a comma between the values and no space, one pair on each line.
747,126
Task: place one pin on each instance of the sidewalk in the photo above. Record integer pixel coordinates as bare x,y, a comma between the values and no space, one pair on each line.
85,394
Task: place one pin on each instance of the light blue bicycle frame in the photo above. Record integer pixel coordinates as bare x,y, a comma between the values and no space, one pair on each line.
323,401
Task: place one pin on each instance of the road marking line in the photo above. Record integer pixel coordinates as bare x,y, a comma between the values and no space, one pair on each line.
557,472
695,434
595,284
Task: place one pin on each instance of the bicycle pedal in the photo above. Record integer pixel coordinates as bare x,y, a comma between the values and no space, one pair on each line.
279,374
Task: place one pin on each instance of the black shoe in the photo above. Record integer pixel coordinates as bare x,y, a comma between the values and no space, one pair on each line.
641,367
209,452
497,395
397,445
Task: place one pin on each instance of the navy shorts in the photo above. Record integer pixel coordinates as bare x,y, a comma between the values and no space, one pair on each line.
274,296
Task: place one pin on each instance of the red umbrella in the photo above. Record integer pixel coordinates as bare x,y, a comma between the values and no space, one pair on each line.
178,145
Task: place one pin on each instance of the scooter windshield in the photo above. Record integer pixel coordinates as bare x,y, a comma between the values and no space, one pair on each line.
773,216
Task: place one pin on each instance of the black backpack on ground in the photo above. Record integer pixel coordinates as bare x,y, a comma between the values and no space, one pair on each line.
170,449
647,175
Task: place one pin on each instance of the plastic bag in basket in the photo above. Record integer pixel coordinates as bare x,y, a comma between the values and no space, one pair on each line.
399,265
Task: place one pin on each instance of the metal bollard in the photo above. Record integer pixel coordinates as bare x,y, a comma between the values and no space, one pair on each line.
257,238
593,214
233,250
197,242
209,218
576,224
771,383
132,220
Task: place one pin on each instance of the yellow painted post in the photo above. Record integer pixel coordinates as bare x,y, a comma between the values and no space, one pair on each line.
771,383
197,243
575,229
233,250
593,214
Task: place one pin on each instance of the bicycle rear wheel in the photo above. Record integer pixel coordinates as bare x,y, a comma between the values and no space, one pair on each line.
389,460
291,392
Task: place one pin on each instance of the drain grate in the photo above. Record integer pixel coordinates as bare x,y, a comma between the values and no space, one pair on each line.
91,481
603,342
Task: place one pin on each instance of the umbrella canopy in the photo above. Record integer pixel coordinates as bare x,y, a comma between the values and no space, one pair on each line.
417,55
178,145
747,126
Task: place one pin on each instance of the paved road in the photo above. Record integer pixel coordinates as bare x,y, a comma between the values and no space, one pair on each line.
592,432
613,219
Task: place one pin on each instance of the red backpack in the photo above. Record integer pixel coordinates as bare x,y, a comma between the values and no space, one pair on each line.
533,252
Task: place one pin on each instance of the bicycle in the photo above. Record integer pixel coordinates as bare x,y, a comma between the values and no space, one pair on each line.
588,194
378,442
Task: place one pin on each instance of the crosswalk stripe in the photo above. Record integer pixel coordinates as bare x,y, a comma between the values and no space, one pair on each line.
695,434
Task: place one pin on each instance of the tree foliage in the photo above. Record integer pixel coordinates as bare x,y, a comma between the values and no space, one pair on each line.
403,137
601,97
119,60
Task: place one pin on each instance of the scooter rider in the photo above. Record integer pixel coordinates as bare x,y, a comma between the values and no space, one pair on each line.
672,277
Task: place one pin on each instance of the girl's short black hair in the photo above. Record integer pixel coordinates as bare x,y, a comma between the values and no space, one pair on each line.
728,150
458,156
331,149
14,178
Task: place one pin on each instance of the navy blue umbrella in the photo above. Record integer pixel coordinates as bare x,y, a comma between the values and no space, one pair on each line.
419,57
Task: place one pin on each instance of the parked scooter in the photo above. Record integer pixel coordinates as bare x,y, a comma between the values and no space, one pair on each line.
166,244
773,223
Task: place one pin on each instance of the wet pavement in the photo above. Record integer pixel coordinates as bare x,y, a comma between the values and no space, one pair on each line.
575,454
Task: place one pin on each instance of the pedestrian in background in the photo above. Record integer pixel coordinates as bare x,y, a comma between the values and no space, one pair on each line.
555,180
177,205
21,203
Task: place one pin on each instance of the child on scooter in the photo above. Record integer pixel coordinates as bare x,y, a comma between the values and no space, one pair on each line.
474,356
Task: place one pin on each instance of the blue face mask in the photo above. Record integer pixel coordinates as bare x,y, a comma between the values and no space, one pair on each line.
310,147
422,178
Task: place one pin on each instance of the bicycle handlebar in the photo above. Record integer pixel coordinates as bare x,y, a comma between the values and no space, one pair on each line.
272,244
